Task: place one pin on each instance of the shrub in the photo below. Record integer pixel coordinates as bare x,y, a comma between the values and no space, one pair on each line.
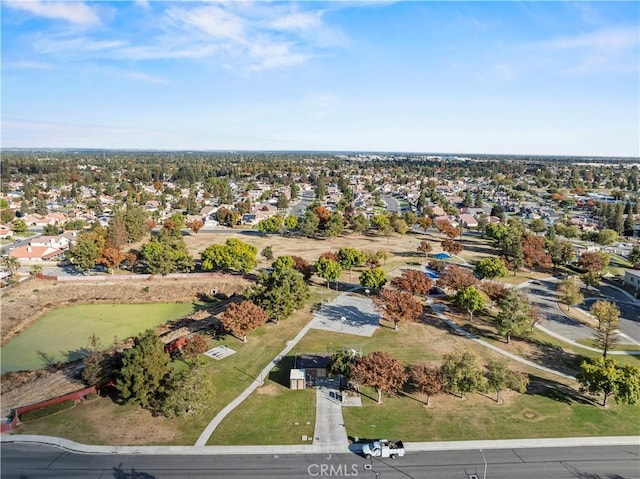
47,411
91,396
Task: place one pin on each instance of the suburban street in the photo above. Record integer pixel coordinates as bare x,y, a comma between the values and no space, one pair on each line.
21,461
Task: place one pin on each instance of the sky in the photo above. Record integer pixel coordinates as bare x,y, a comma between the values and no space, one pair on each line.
537,78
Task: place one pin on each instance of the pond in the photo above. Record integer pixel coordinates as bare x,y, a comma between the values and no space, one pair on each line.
63,334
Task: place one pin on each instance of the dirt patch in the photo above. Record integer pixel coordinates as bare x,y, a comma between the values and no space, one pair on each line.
269,390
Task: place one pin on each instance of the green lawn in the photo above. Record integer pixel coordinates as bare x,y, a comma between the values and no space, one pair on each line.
62,334
548,414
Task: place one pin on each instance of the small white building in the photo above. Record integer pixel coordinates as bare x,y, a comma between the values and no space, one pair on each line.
632,279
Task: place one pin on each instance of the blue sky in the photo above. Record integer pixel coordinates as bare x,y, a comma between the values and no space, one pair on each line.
556,78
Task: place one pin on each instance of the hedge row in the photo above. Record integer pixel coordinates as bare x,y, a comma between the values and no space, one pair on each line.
47,411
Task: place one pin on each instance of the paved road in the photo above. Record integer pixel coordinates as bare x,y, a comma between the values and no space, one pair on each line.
391,203
300,207
543,294
21,461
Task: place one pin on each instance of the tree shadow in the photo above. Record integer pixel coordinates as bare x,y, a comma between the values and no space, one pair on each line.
120,473
554,356
47,359
556,391
75,354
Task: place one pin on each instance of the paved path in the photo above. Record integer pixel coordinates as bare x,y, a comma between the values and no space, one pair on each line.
330,434
437,310
215,422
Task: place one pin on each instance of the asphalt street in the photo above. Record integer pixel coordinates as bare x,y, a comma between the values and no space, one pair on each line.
543,294
22,461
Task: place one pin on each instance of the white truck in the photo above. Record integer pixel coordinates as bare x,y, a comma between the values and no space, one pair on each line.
383,448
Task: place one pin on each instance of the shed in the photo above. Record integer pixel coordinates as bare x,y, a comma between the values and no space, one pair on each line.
296,379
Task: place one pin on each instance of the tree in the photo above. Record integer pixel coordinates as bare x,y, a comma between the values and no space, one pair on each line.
359,224
189,391
334,225
270,225
267,253
18,225
469,298
328,269
591,279
460,373
569,292
92,371
227,217
240,318
599,376
195,225
309,224
451,246
111,257
533,252
167,252
425,379
303,267
381,371
492,267
379,221
456,278
350,258
425,247
538,225
425,222
194,345
514,319
634,256
291,222
233,255
499,378
145,370
283,202
593,262
87,249
628,385
341,364
494,289
607,314
279,292
561,251
413,281
373,278
397,306
10,263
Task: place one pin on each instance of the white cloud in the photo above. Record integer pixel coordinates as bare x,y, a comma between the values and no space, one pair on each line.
145,77
212,20
297,21
28,65
610,39
74,12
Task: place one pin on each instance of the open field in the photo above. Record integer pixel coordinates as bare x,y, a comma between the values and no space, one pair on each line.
62,335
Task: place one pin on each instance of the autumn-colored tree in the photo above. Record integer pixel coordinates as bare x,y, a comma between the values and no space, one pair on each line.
303,267
533,252
593,261
425,379
194,346
425,247
456,277
111,257
381,371
494,289
323,214
451,246
330,255
195,225
397,306
240,318
443,226
413,281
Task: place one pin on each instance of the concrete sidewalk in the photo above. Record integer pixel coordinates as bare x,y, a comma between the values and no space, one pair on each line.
307,449
330,434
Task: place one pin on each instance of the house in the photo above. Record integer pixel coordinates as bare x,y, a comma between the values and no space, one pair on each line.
5,232
307,368
632,279
468,221
36,253
58,242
